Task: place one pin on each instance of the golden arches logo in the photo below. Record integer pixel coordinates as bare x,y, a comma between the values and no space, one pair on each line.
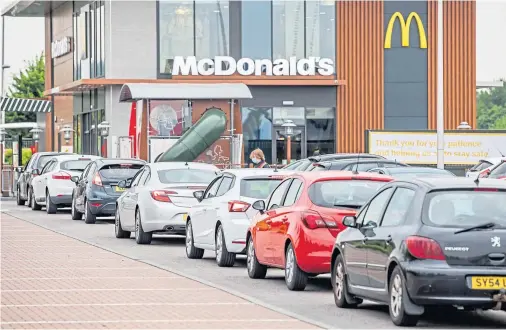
405,25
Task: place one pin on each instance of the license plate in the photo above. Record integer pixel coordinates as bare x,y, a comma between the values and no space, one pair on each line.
185,217
488,282
119,189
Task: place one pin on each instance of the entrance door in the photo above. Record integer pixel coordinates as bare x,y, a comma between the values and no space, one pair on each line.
280,145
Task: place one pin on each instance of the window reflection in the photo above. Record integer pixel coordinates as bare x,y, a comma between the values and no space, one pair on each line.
256,33
320,130
257,131
320,28
288,28
211,28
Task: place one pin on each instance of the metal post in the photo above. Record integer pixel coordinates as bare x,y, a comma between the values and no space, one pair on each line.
440,87
231,131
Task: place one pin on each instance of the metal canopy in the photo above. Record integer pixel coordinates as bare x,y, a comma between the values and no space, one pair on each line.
183,91
24,105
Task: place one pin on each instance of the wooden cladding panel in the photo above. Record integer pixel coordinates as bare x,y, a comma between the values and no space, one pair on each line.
459,63
360,103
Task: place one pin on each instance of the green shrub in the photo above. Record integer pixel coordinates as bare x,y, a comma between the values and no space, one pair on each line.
27,153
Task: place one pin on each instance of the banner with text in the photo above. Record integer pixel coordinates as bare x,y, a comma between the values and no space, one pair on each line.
421,147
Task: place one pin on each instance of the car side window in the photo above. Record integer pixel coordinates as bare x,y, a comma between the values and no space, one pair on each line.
213,188
364,167
143,177
398,207
376,207
277,195
148,177
85,171
293,192
91,172
390,165
49,166
137,178
28,163
225,185
361,216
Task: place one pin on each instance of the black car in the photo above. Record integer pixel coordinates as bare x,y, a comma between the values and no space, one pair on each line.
304,164
97,188
422,243
354,164
411,172
23,184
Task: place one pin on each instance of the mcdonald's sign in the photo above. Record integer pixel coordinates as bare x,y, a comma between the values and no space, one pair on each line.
405,25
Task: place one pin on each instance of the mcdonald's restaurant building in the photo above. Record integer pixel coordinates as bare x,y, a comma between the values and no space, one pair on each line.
382,55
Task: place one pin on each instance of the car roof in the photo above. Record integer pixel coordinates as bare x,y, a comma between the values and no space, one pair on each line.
62,158
411,169
432,183
342,156
181,165
106,161
359,161
52,153
493,160
341,175
244,172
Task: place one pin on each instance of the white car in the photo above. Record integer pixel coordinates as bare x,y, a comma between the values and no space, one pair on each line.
483,165
220,221
159,197
52,187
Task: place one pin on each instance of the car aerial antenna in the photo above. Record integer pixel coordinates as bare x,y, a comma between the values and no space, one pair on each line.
355,171
275,168
502,155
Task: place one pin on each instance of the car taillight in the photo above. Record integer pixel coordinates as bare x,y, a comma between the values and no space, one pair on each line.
61,176
424,248
162,195
97,181
314,220
237,206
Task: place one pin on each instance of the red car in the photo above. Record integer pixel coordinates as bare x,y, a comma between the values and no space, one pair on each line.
297,228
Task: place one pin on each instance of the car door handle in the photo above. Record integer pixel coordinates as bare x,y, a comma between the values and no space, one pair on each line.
388,240
365,239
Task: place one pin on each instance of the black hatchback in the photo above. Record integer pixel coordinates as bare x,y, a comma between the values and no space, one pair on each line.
97,188
422,243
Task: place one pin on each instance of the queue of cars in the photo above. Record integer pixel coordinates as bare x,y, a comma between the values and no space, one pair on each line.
409,237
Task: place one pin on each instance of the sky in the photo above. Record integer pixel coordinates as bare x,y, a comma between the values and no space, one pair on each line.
24,39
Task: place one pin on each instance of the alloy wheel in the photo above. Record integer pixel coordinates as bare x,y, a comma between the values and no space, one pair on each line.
396,296
219,248
339,281
136,224
189,238
290,263
85,210
251,256
72,209
116,223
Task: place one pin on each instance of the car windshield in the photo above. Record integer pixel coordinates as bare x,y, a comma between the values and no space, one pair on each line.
186,175
43,161
343,193
120,171
258,188
464,208
75,165
499,172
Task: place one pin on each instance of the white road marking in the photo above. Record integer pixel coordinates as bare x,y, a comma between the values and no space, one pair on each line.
85,278
110,289
35,258
52,268
157,321
134,304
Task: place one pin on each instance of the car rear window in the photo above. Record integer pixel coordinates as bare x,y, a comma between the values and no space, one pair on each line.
343,193
120,171
75,165
186,175
464,208
499,171
407,175
483,164
258,188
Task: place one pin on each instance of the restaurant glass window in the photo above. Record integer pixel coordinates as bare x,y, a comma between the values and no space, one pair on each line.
257,131
256,34
288,29
320,29
93,133
320,128
211,28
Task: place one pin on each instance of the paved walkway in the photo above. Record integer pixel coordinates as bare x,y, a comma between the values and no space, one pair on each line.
51,281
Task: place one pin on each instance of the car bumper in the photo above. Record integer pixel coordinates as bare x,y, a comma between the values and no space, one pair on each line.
61,199
313,250
164,217
103,207
445,285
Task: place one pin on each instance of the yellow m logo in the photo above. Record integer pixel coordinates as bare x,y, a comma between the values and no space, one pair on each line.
405,30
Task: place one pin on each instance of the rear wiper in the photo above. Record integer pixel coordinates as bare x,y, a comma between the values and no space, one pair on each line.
477,227
351,206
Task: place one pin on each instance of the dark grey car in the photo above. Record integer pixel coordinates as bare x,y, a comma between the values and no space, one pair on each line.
97,188
411,172
354,164
425,242
304,164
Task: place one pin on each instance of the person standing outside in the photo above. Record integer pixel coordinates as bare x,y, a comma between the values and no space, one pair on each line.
258,158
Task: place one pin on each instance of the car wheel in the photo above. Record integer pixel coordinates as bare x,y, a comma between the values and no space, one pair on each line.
89,217
19,200
397,303
120,233
295,278
340,285
140,236
223,257
192,252
50,206
33,203
76,215
255,268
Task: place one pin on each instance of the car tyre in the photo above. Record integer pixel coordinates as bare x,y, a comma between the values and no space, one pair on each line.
141,237
255,268
33,203
340,285
19,200
192,252
89,218
120,233
295,278
223,257
75,214
396,304
50,206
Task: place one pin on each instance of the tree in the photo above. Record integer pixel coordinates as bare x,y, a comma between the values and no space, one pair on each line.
28,83
491,108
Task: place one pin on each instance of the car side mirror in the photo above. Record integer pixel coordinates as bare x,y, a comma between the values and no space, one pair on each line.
74,179
35,171
259,206
199,195
350,221
122,184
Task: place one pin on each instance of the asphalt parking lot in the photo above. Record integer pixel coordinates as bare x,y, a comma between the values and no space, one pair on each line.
314,305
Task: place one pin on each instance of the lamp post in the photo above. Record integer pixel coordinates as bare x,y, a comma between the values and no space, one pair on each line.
2,134
67,133
464,125
440,88
36,136
288,125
